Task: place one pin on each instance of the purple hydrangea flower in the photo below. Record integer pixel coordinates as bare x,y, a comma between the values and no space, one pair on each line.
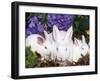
40,27
63,21
34,26
33,19
30,31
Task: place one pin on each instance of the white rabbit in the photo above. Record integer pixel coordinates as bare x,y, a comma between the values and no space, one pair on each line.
64,48
40,44
79,47
63,43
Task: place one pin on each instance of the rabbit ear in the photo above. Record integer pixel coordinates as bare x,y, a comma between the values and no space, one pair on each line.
69,34
56,33
83,39
77,42
46,34
89,43
40,40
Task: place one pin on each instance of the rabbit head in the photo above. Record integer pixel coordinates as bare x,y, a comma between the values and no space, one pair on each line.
48,42
62,42
83,46
39,44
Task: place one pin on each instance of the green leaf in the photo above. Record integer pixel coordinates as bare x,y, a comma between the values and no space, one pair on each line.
31,58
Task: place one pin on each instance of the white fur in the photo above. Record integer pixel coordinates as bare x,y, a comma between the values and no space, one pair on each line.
43,48
63,43
65,48
80,47
59,45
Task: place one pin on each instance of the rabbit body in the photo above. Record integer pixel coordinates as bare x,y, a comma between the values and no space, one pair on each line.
62,41
80,47
65,47
58,45
39,44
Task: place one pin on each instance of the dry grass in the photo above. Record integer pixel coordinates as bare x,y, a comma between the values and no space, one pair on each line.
84,60
33,60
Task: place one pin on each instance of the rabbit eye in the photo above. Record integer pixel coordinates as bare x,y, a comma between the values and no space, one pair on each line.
57,49
82,48
45,47
66,49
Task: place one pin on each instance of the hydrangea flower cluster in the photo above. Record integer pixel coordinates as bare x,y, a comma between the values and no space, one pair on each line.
34,26
62,21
